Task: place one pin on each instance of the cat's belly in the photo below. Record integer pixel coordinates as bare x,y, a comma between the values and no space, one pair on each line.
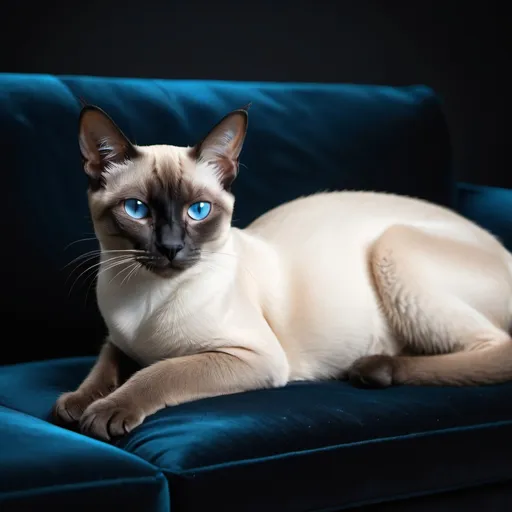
334,321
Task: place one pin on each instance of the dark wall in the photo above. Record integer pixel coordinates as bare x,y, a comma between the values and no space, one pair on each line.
458,48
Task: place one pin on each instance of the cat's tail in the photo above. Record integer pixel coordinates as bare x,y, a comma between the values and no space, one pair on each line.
491,364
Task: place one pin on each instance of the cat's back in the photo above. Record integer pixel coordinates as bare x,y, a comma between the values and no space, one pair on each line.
321,298
358,217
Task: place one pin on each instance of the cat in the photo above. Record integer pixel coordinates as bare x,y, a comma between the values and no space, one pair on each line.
376,288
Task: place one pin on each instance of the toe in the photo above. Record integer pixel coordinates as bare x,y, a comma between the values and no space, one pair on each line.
68,408
116,424
94,421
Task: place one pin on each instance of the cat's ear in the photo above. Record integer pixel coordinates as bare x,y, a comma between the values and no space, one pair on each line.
101,142
223,144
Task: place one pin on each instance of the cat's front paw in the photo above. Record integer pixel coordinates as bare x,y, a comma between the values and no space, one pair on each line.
109,417
69,407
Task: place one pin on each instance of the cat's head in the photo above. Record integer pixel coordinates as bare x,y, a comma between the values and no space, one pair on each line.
167,204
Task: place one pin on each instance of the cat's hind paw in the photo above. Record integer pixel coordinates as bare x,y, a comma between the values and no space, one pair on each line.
372,371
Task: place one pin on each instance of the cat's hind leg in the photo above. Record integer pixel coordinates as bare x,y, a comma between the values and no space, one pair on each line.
444,297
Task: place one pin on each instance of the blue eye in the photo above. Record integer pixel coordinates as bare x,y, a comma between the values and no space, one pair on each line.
199,211
136,209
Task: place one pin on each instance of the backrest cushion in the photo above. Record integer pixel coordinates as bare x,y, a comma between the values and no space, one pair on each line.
302,138
489,207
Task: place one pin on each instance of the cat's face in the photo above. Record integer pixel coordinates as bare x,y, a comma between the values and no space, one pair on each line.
163,206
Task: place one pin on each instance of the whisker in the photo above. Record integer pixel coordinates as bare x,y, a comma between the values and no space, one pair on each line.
91,267
217,263
125,278
95,276
129,268
97,252
132,251
221,253
210,267
111,266
136,271
119,273
88,255
78,241
134,267
91,282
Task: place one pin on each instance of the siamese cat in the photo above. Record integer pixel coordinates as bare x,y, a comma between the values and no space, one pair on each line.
375,288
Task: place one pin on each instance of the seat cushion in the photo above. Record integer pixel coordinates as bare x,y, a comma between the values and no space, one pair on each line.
45,467
307,446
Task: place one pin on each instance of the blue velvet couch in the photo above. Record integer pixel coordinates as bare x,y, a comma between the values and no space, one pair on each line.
308,447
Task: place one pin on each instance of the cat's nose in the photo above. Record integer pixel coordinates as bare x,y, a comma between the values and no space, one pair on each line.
170,250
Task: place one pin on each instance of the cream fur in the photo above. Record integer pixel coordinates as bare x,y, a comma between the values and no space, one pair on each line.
298,288
334,285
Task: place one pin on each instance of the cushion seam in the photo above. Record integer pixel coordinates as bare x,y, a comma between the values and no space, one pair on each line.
414,494
481,426
81,485
158,470
14,409
43,362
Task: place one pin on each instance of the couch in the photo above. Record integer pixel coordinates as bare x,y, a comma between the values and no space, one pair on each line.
307,447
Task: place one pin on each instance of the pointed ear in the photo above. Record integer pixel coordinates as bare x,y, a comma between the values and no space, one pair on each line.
222,146
101,142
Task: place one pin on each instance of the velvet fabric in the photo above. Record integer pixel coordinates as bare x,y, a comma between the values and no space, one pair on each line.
43,467
312,447
490,207
305,447
302,138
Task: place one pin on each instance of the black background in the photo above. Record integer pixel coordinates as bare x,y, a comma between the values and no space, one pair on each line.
460,49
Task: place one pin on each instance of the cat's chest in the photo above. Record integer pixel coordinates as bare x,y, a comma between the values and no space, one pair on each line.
149,321
132,315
